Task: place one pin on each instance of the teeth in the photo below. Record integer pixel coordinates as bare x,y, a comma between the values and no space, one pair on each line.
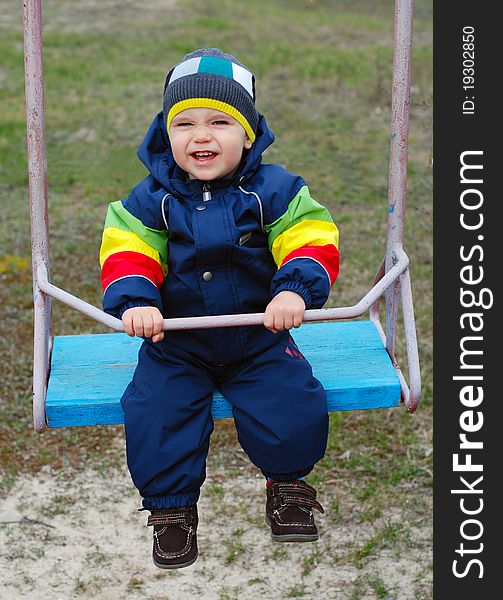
203,153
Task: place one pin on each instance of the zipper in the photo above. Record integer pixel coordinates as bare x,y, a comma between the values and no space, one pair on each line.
206,192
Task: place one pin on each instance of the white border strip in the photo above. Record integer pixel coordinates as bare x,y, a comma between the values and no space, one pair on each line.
260,206
163,213
187,67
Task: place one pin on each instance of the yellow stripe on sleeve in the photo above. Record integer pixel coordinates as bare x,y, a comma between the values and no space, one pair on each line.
117,240
305,233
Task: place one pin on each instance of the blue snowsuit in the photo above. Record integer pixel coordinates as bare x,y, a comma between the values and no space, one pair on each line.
229,247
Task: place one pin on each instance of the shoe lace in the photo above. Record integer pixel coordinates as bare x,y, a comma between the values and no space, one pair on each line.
171,517
296,493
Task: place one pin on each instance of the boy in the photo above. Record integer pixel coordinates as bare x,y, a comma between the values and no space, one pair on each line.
212,231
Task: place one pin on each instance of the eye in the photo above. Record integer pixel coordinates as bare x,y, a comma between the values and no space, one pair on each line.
183,124
221,122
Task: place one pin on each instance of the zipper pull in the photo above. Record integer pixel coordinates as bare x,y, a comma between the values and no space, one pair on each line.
206,192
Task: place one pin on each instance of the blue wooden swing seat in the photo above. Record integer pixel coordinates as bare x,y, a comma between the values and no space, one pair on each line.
90,372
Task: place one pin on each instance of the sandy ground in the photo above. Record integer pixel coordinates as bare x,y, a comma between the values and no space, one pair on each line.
66,535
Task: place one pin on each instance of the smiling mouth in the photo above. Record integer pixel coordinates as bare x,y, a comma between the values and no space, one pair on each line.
203,156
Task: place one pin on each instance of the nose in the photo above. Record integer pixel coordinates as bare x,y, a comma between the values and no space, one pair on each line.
201,134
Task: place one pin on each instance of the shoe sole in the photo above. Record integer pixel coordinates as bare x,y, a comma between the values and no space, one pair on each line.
175,566
292,537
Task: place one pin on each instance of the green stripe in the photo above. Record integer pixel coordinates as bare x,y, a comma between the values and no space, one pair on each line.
301,207
118,216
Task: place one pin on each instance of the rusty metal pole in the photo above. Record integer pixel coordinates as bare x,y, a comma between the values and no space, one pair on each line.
397,179
37,173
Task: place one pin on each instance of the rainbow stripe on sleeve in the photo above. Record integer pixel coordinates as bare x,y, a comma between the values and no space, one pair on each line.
129,248
305,230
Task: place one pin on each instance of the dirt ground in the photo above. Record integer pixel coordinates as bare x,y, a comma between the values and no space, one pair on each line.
66,535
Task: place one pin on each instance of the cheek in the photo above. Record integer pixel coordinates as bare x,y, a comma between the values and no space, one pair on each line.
178,149
240,145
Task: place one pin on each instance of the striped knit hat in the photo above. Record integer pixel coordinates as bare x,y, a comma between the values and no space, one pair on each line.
210,78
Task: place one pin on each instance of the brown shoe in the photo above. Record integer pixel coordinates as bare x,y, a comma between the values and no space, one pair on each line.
289,511
175,541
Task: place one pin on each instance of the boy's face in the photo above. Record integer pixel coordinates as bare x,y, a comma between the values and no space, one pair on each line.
207,143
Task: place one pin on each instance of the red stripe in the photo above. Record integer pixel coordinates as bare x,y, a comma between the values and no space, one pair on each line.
327,255
122,264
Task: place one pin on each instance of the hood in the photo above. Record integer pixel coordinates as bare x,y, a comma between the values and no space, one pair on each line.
156,154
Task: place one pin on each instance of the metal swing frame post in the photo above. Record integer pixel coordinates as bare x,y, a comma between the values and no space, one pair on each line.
392,279
397,190
37,183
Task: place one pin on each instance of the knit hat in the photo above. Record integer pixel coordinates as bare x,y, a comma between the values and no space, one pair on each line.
210,78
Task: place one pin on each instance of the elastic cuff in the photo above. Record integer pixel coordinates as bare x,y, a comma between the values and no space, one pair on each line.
287,476
175,501
131,304
298,288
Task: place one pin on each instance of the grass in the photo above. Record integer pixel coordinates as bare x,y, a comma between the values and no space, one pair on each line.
297,591
310,561
59,505
383,537
323,79
234,546
378,586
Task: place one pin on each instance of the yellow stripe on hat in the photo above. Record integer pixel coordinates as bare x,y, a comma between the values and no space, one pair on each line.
210,103
306,233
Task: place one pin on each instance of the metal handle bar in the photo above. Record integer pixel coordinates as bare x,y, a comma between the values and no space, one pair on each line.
322,314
